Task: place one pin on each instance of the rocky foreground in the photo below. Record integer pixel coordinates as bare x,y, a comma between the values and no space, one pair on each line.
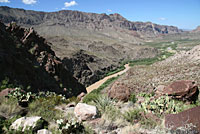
148,99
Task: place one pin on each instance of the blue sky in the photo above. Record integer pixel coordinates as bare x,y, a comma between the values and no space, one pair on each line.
182,13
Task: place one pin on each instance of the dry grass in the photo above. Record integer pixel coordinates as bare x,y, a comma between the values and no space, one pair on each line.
9,107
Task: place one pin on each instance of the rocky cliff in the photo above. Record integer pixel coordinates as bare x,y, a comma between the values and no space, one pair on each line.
27,60
197,30
108,39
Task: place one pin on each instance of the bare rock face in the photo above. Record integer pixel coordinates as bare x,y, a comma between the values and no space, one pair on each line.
183,89
119,91
183,119
85,112
34,122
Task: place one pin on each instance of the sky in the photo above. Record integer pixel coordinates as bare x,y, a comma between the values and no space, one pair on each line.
184,14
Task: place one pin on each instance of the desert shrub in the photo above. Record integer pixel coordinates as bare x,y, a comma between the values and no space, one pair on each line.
132,115
133,98
135,115
9,107
5,124
90,97
21,95
164,104
5,83
70,126
148,123
95,93
116,70
44,107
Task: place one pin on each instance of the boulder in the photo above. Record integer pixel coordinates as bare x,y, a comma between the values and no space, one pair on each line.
85,112
6,91
80,96
34,122
184,119
183,89
119,91
44,131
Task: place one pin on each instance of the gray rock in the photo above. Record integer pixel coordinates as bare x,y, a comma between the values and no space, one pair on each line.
85,112
44,131
34,122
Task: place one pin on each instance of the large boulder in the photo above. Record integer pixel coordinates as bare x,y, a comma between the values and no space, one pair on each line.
85,112
23,123
119,91
183,89
183,119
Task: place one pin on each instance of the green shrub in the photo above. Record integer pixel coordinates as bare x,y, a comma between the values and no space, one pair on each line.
90,97
70,126
5,83
133,115
95,93
116,70
164,104
9,107
133,98
44,107
7,123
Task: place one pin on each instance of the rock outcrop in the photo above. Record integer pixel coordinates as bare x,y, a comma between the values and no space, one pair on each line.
184,119
27,60
183,89
85,112
24,123
197,30
119,91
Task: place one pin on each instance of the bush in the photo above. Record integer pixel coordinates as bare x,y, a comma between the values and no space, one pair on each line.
133,98
132,116
164,104
44,107
9,107
92,96
70,126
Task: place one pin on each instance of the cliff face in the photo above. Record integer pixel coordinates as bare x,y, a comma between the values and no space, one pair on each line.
27,60
82,20
197,30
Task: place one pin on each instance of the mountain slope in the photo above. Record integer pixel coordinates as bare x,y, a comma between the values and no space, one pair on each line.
28,61
109,39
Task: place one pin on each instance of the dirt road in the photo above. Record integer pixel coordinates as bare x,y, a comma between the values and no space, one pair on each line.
100,82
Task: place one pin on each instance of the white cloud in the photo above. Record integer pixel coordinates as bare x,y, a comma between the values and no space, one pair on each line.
69,4
4,1
29,2
162,19
109,10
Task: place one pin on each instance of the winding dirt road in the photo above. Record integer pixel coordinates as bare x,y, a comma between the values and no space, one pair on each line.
100,82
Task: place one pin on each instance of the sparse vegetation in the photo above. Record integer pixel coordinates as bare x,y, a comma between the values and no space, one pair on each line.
116,70
95,93
150,61
164,104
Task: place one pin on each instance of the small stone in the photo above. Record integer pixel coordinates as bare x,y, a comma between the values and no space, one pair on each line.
44,131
